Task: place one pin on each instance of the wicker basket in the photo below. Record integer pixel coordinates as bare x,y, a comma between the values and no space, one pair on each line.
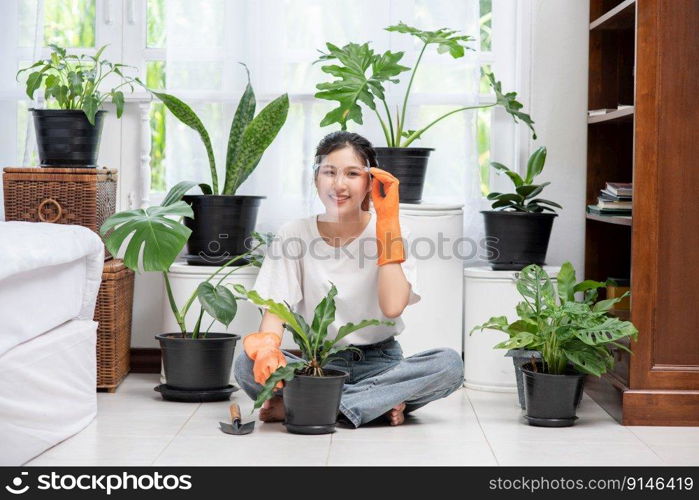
81,196
113,313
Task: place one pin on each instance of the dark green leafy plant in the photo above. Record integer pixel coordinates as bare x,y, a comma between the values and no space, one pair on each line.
316,349
73,81
524,199
564,330
153,238
361,75
248,139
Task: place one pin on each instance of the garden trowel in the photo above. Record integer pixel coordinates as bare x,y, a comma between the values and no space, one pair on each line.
236,427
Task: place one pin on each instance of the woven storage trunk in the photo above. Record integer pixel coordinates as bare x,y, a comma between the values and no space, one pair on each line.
81,196
113,313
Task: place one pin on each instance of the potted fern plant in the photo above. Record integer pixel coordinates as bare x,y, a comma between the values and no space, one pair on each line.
197,362
312,392
361,75
69,133
574,338
223,221
519,225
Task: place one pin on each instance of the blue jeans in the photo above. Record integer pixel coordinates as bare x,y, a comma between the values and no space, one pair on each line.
379,378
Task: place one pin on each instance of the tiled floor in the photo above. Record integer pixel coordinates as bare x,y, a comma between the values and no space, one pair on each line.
134,426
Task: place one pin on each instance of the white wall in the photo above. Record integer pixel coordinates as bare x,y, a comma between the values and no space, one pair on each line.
558,101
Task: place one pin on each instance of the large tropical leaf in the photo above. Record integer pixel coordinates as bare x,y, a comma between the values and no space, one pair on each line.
565,282
360,75
535,164
587,359
609,330
446,39
243,116
323,316
186,115
153,234
218,301
257,137
509,103
534,283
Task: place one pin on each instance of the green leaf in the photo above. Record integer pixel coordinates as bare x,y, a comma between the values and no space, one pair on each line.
446,39
187,116
323,317
178,191
606,305
118,100
345,330
509,102
514,176
587,360
610,329
90,107
499,323
518,341
285,373
535,164
218,301
530,190
565,282
534,284
33,83
152,232
257,137
243,116
360,75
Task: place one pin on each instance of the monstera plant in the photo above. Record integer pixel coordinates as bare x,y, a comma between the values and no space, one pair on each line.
223,220
574,337
361,76
151,239
309,383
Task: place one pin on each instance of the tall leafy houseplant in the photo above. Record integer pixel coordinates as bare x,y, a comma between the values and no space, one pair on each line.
152,238
317,351
519,225
573,336
360,79
222,223
71,85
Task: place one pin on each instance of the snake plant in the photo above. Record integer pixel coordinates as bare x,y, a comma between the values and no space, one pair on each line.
316,349
564,330
248,139
362,73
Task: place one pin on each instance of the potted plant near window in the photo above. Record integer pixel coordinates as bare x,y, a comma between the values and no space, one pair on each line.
197,362
312,392
573,337
223,222
360,78
69,135
519,226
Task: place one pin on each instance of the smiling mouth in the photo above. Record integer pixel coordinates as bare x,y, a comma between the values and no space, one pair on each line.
339,198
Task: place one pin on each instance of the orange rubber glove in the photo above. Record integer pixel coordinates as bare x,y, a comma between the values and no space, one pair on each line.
263,349
388,236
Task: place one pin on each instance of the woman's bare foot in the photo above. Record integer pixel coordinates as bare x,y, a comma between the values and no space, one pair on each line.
272,410
395,415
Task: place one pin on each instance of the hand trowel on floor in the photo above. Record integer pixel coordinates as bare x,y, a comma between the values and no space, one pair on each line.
236,427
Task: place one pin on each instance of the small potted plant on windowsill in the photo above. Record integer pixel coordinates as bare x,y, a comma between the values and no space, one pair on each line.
361,74
312,392
223,221
572,336
197,362
68,135
519,225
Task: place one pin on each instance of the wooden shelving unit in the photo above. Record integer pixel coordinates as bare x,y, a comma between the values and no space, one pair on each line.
642,53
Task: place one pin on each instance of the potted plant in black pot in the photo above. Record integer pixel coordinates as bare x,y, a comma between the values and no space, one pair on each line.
197,362
519,225
572,336
312,392
361,74
223,221
69,135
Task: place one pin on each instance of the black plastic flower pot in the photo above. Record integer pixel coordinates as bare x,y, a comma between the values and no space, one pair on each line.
519,358
517,239
65,137
312,403
201,364
551,400
221,228
408,165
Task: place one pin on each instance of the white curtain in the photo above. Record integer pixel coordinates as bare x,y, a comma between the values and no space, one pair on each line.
279,40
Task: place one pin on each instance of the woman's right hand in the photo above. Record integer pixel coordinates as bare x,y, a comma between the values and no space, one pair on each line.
263,349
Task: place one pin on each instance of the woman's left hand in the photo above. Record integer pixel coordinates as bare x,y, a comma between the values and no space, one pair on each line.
388,235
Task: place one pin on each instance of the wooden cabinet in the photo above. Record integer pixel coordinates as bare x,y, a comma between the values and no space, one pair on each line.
645,54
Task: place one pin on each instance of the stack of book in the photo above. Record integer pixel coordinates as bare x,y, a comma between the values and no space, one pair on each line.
614,199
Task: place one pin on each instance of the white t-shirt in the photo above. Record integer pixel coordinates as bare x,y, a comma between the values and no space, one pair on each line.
299,266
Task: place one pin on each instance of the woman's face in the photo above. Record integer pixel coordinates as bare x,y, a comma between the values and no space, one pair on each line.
342,182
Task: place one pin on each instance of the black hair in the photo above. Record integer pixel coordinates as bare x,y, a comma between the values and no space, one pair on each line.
342,139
